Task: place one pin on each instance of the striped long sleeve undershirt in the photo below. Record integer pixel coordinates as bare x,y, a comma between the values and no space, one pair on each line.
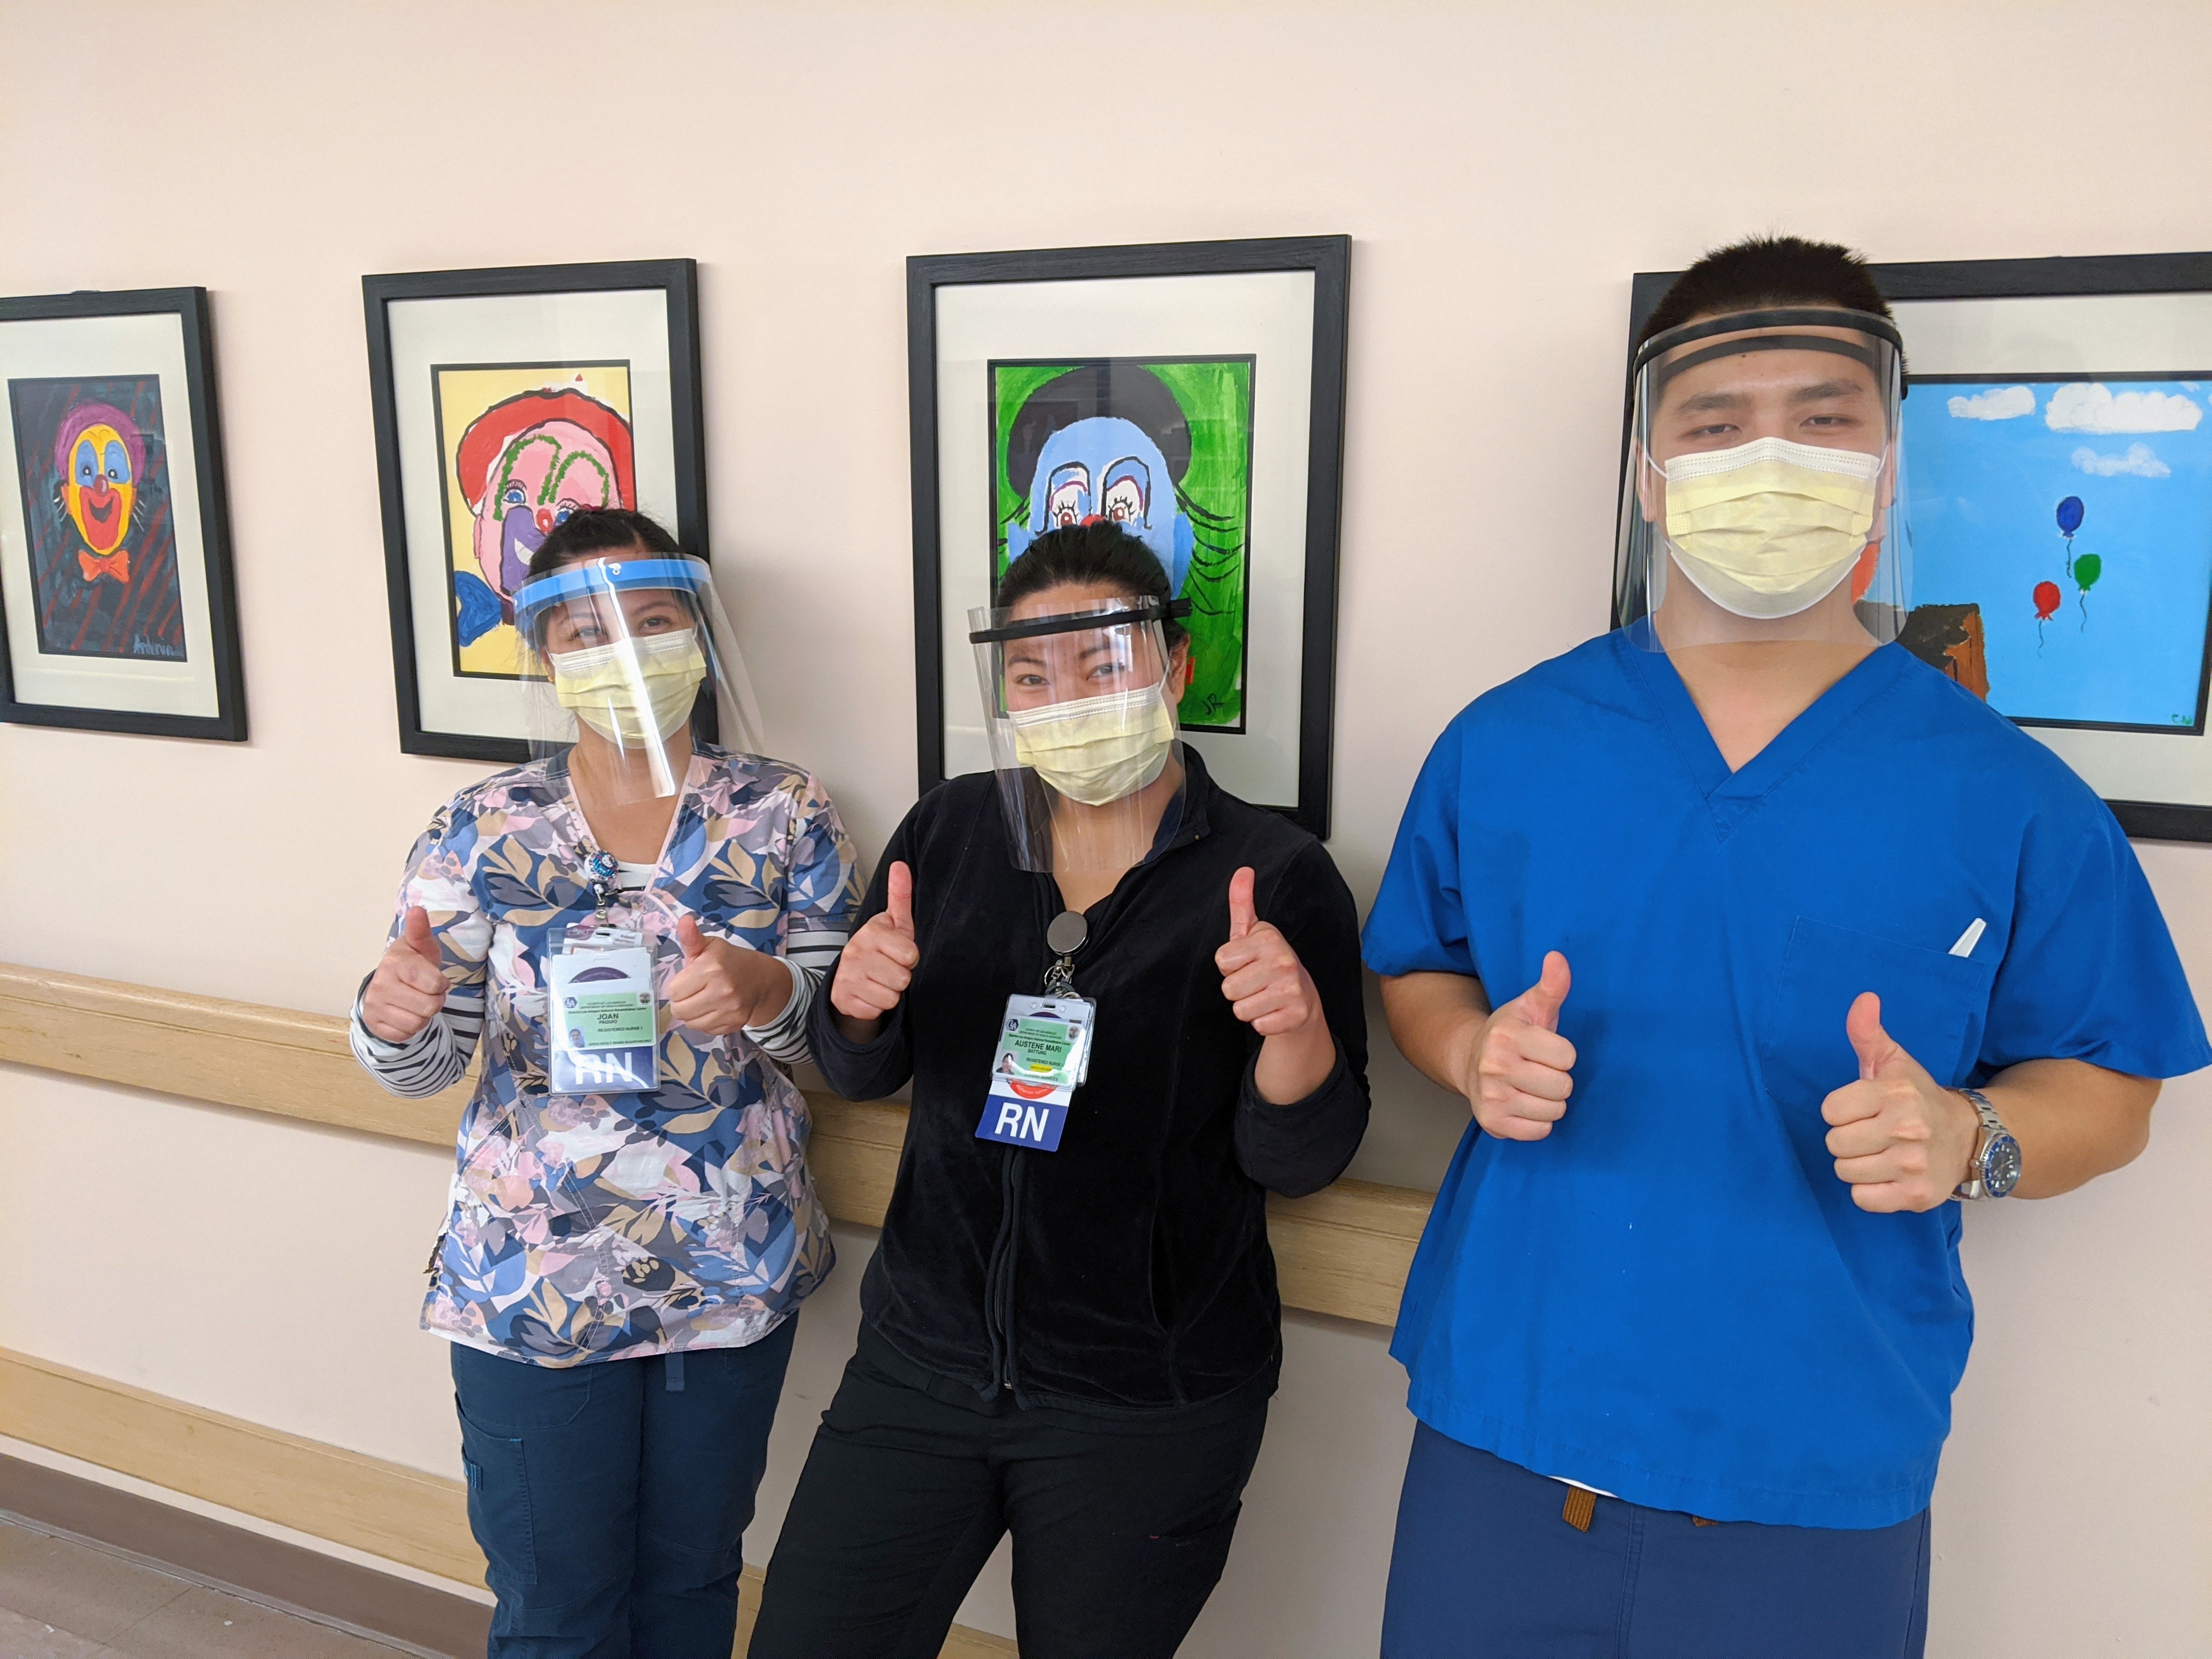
433,1058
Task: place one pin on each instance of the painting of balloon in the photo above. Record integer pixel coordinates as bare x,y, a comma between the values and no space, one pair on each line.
521,447
1161,446
2027,495
95,476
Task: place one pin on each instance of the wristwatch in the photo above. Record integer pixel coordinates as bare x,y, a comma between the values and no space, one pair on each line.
1994,1169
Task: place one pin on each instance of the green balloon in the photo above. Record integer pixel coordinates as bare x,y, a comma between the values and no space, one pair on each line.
2087,566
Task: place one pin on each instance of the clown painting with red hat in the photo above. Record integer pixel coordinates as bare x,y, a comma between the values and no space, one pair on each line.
523,465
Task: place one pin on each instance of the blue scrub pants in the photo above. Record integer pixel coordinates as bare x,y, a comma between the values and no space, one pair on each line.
1486,1564
611,1497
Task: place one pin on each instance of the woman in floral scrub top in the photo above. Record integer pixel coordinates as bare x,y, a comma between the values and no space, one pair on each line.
619,1275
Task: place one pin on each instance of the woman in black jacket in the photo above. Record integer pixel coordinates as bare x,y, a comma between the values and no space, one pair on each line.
1075,1345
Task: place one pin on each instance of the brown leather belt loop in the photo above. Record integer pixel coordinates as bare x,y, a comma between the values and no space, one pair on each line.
1581,1508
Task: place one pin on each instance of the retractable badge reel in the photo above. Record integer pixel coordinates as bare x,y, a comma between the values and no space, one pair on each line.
1044,1052
601,1011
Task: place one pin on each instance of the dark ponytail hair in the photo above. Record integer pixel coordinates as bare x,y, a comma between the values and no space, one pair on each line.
600,530
1100,554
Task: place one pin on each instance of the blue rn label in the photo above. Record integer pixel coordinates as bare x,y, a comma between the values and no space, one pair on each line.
1033,1123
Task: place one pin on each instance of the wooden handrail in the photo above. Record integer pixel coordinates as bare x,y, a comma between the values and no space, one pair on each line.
1343,1251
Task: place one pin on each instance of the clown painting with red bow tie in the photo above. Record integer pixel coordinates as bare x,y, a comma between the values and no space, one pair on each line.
103,548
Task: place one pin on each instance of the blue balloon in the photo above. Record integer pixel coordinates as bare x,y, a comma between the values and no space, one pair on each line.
2070,516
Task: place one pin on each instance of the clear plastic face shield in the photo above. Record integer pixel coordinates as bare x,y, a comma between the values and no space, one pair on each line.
1764,499
1080,710
629,661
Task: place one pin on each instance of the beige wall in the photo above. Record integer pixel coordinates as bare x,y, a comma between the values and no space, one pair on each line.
1502,168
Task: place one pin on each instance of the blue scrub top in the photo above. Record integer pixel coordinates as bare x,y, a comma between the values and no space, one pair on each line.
1673,1297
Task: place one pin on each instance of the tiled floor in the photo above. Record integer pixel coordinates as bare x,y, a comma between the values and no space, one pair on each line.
63,1600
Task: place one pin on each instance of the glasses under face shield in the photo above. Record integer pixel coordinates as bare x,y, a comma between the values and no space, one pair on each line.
1765,482
1080,714
631,663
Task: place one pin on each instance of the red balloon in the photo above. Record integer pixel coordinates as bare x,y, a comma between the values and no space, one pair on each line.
2046,600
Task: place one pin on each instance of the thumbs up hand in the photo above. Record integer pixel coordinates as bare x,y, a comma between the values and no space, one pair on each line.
1899,1139
407,989
723,988
1269,990
1519,1072
1267,986
877,964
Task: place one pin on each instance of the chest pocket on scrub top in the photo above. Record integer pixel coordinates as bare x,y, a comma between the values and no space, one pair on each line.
1929,999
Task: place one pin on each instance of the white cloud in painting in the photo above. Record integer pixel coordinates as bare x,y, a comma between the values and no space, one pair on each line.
2012,402
2087,406
2140,462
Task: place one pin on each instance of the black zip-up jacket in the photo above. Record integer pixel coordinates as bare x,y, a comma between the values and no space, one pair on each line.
1128,1274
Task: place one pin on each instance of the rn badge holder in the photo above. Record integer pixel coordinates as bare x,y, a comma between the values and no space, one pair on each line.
601,1013
1044,1052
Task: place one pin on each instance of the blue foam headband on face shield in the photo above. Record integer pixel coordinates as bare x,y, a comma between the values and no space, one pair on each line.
534,600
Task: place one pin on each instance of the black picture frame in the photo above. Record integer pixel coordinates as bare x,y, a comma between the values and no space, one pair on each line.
678,281
2066,275
189,307
1328,259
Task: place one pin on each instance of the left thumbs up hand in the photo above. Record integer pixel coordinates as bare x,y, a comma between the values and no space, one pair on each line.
1269,990
1267,985
723,988
1899,1139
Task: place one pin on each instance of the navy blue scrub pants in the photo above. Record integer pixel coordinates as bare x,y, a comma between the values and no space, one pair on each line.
611,1497
1486,1564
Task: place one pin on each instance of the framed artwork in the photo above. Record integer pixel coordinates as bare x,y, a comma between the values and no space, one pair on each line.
504,401
2058,472
1192,391
117,608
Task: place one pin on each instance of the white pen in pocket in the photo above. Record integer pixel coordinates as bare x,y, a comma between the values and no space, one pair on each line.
1970,939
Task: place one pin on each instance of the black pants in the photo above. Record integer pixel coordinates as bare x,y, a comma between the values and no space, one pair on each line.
1120,1532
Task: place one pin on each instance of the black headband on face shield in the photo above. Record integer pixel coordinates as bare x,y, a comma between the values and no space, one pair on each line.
1664,372
1859,322
1150,611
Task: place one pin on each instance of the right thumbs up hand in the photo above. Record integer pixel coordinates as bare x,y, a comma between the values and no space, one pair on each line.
877,964
407,990
1517,1078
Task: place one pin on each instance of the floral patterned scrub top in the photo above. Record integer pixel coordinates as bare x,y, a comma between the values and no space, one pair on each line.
602,1226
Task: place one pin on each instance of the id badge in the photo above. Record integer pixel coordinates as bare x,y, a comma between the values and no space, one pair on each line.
601,1014
1042,1057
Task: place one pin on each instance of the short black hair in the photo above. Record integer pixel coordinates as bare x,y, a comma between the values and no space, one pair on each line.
1097,555
1761,272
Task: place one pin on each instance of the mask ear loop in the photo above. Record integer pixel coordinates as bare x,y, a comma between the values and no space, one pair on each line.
1655,575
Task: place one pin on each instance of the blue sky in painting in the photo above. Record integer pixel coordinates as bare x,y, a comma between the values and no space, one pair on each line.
1987,464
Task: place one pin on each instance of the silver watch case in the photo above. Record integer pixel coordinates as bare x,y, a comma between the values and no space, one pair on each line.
1994,1170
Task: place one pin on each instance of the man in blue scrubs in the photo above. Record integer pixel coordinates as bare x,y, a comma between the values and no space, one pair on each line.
1753,941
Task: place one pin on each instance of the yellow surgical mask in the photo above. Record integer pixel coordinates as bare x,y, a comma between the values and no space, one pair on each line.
1096,750
1768,528
633,691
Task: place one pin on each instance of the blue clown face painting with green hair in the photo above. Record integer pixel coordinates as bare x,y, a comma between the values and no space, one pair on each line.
1160,446
1107,468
